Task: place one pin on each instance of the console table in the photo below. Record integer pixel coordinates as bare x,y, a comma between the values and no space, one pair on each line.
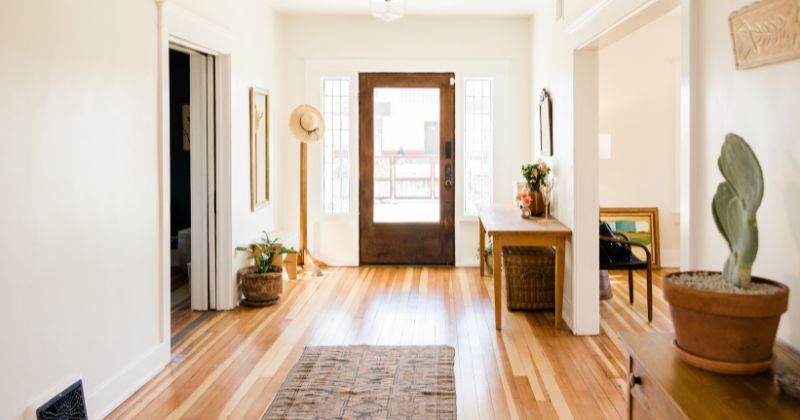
660,386
507,228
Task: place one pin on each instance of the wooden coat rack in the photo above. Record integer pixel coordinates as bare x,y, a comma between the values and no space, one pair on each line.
304,254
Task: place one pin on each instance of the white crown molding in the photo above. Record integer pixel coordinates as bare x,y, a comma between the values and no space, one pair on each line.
590,13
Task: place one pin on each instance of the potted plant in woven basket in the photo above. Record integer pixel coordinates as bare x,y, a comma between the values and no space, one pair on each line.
726,322
262,283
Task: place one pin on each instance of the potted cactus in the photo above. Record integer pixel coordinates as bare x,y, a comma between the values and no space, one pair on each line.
726,322
262,283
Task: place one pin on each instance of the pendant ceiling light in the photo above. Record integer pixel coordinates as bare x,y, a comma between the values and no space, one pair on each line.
388,10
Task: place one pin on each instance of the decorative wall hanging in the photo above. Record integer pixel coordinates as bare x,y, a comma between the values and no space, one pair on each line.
259,148
546,123
766,32
639,225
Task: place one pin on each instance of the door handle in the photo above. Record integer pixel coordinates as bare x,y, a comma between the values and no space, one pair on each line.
448,176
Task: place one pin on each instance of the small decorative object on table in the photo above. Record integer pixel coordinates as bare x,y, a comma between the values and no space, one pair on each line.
547,190
726,322
535,174
524,203
262,283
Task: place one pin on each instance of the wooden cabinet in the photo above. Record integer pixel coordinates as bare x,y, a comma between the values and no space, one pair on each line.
660,386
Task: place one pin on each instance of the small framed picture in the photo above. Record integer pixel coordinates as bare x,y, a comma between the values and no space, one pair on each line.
259,148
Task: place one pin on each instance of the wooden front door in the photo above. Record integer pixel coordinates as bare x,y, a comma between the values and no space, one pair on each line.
407,168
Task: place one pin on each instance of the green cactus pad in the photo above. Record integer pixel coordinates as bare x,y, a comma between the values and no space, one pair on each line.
734,207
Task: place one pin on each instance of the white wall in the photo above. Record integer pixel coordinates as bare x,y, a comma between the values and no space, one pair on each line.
79,176
638,107
552,66
760,105
319,46
79,249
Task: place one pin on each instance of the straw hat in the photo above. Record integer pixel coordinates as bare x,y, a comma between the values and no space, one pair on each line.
307,124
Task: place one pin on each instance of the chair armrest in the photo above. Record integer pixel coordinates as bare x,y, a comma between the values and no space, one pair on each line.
630,243
624,236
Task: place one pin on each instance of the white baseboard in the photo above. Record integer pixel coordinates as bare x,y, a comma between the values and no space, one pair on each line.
110,394
468,264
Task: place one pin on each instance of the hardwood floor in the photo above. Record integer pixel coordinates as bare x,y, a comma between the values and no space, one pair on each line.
234,362
181,315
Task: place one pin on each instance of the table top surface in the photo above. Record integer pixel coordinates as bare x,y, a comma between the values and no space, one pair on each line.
707,395
507,219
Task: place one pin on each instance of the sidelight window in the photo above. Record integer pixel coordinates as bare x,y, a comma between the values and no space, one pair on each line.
336,146
478,141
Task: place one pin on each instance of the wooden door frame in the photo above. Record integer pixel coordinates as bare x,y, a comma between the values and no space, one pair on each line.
367,83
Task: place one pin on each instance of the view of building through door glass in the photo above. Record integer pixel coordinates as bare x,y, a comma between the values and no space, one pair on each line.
406,172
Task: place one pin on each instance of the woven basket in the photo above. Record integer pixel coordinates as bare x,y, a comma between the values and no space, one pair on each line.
530,277
260,289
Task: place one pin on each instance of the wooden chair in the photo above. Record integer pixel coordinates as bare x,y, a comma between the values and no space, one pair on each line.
630,263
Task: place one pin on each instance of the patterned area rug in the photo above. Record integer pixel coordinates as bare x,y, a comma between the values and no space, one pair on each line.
369,382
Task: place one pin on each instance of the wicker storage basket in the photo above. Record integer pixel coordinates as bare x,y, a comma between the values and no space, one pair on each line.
530,277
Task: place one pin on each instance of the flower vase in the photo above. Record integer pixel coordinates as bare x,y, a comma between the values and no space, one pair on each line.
537,202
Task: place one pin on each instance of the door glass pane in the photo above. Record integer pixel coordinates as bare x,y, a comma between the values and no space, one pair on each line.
406,171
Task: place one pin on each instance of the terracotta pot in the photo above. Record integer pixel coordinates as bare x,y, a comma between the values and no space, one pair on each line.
537,203
725,332
260,289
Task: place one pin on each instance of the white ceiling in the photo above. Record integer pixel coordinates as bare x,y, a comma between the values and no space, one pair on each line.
413,7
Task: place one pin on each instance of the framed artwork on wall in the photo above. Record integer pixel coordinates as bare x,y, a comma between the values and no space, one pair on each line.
765,32
640,225
259,148
546,123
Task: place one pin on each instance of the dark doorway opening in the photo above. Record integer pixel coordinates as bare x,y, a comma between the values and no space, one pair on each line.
180,193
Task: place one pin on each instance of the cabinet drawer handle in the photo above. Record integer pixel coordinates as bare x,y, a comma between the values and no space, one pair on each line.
634,380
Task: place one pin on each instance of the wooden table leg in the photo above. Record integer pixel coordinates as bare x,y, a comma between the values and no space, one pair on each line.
560,256
482,246
497,250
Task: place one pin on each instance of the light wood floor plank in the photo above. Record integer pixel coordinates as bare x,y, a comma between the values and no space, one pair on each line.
233,363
